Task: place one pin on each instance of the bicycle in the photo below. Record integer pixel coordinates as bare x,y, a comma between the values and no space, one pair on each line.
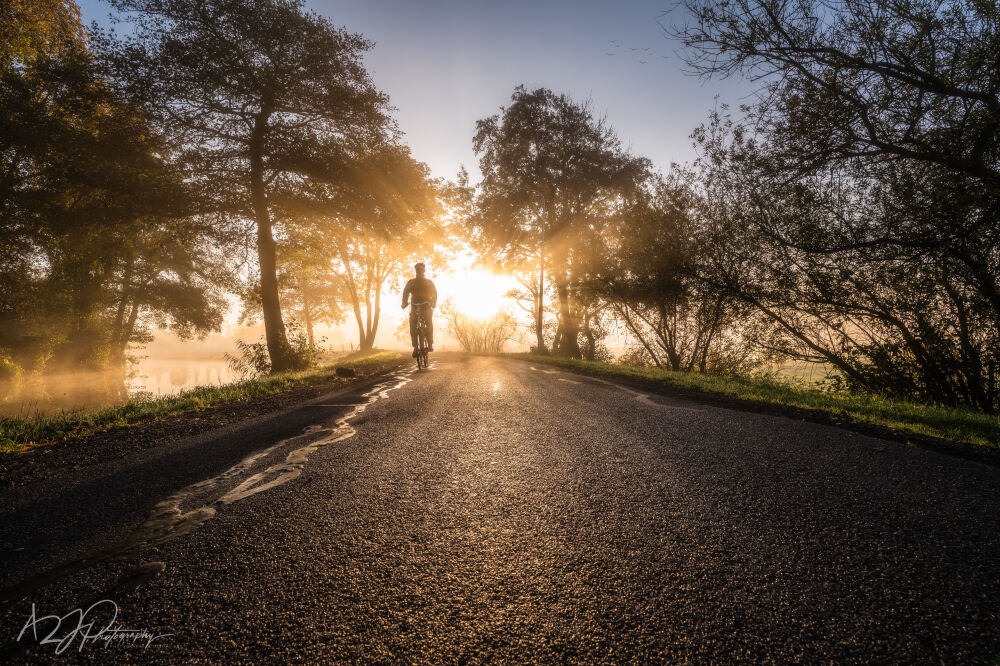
422,344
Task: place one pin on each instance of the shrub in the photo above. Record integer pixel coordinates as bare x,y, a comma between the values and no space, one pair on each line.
252,358
9,370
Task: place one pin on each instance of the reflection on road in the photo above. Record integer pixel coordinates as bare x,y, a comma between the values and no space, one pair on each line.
169,520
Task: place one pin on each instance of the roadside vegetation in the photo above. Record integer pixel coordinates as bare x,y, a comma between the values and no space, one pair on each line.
148,179
845,215
956,424
18,434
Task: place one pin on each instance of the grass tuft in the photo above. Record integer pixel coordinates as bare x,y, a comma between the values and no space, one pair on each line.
18,434
955,424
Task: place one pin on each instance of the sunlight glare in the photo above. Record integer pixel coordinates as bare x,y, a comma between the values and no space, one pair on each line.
475,292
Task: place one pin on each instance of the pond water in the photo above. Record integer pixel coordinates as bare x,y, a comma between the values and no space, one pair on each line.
164,376
150,377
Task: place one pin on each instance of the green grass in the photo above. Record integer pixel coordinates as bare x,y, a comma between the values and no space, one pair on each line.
904,418
17,434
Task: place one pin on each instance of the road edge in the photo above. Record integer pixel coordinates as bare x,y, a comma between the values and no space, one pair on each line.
964,450
43,461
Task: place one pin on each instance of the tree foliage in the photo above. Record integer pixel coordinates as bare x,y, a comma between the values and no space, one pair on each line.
32,30
378,219
649,279
98,236
552,174
860,213
258,98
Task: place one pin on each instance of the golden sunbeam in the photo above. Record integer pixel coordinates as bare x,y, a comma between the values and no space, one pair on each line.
474,292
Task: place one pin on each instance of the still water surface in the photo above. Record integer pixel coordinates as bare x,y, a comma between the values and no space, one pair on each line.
149,378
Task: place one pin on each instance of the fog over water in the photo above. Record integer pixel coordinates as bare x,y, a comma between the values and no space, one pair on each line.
169,365
148,378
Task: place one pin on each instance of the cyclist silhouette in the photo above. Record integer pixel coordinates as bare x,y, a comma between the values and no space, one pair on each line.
423,294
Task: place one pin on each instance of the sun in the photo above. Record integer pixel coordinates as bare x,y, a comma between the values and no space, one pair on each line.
479,294
475,292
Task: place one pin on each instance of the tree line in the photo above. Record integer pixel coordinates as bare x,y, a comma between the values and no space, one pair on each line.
217,147
847,215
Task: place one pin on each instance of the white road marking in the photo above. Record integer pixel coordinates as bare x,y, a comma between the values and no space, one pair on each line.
642,396
346,404
647,398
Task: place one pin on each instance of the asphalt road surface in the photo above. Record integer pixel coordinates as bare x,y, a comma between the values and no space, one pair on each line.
489,510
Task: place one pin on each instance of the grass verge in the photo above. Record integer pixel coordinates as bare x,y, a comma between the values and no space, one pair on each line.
898,417
18,434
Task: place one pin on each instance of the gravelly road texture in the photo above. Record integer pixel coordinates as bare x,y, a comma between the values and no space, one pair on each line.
489,510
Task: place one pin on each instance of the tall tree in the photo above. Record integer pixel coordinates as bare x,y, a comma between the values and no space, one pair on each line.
255,94
311,292
384,215
861,218
99,235
35,29
648,275
530,297
550,172
877,86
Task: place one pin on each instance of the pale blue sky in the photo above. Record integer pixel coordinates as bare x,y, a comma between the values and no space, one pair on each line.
447,63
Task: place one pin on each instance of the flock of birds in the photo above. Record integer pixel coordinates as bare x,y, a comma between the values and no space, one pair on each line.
642,53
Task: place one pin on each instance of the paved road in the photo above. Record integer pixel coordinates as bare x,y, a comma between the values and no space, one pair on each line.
486,509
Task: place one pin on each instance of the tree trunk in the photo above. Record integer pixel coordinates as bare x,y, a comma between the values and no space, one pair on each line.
569,343
307,316
622,311
119,335
540,307
274,326
361,322
366,342
129,330
588,332
373,331
368,337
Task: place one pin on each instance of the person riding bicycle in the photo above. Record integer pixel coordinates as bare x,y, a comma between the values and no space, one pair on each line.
424,296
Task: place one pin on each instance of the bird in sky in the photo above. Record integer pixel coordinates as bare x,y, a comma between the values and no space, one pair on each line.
638,51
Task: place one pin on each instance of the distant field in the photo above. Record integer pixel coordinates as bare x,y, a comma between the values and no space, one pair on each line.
807,374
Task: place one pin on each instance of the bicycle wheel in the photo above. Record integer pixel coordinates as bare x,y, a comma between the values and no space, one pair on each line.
421,354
